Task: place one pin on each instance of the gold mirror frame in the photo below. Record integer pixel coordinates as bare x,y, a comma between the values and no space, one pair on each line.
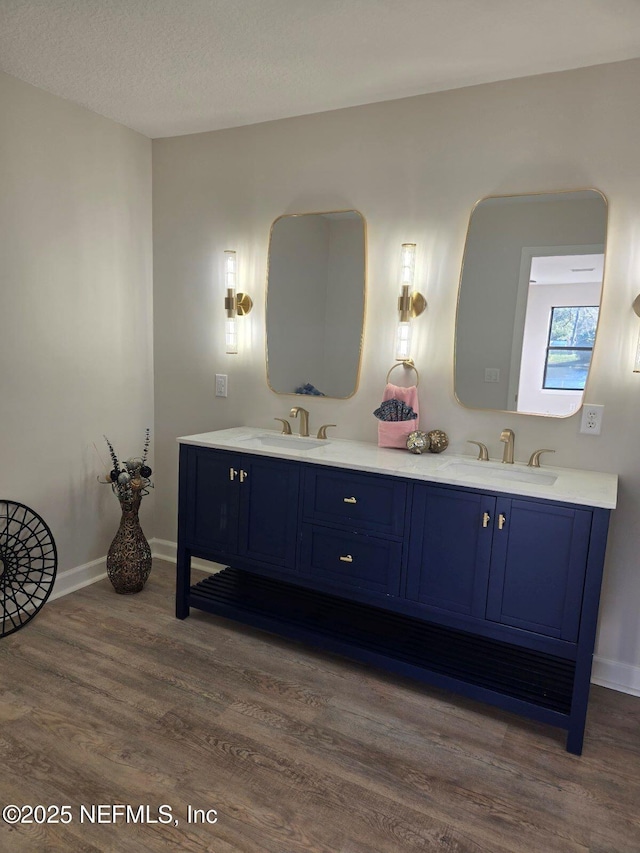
602,243
361,291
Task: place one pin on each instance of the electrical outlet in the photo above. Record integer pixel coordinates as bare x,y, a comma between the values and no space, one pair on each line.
221,384
591,423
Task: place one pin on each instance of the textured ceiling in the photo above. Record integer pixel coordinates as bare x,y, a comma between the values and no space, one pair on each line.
169,67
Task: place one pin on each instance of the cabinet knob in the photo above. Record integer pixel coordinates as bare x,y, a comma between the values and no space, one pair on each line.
347,558
243,476
486,518
232,474
502,520
350,500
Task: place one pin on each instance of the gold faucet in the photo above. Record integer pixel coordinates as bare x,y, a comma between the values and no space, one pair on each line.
534,461
508,436
286,426
322,432
483,453
304,419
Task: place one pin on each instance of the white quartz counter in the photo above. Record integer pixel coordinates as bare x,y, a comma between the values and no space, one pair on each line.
569,485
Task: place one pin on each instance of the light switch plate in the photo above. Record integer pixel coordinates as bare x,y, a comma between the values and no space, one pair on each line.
221,384
492,374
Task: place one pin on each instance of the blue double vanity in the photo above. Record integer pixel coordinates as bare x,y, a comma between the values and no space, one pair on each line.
476,577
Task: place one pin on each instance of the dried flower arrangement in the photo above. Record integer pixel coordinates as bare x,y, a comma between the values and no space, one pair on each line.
130,477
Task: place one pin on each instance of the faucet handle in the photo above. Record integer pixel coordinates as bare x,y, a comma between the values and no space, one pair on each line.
534,461
286,426
322,432
483,453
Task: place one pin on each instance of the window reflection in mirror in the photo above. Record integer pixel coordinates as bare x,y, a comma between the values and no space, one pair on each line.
572,334
315,303
529,300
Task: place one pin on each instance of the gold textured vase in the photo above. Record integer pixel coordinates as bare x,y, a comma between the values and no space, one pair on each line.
129,555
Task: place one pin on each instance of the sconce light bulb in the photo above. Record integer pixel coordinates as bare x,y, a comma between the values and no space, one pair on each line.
636,363
403,341
231,335
230,269
230,328
407,264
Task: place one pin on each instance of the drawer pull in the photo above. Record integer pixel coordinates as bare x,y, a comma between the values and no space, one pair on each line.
243,476
502,520
347,558
232,474
486,518
350,500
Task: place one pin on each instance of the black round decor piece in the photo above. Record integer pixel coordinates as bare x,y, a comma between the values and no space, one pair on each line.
28,565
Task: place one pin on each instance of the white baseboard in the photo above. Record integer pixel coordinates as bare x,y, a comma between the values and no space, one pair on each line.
618,676
73,579
623,677
162,549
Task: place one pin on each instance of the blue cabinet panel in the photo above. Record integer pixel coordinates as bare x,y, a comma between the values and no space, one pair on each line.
242,505
538,567
269,511
212,515
345,559
360,501
450,549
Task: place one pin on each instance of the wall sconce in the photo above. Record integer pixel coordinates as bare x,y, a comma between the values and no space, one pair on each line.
236,304
410,303
636,363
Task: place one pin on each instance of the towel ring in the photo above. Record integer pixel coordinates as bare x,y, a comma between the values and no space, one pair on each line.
407,362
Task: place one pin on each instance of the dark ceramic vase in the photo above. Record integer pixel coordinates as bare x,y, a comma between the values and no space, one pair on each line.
129,556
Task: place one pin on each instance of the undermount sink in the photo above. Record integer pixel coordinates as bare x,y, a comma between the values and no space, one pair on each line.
509,473
294,442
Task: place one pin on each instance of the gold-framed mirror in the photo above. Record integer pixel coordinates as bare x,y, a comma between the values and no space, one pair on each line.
315,303
529,300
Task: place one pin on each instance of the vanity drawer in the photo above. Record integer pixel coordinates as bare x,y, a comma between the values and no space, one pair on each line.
343,559
359,501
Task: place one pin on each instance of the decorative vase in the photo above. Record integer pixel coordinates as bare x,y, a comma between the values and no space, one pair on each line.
129,555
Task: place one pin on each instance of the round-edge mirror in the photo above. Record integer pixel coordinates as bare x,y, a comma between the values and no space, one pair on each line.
529,301
316,282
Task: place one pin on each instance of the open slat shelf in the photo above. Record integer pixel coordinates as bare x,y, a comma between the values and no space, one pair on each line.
530,682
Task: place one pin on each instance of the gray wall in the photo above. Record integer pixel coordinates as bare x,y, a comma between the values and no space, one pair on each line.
75,312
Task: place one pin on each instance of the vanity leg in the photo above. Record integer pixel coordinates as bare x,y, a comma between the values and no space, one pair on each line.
587,634
183,582
575,738
579,702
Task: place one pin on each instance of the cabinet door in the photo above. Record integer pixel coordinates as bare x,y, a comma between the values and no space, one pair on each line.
450,548
268,511
538,567
212,497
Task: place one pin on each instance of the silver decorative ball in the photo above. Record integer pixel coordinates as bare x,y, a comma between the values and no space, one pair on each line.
438,441
123,478
417,441
134,463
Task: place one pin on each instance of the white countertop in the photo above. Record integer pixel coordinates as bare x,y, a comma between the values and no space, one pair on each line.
570,485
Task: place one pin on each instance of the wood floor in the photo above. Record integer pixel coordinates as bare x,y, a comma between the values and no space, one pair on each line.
108,699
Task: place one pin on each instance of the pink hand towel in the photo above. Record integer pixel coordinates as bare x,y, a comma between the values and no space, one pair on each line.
395,433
